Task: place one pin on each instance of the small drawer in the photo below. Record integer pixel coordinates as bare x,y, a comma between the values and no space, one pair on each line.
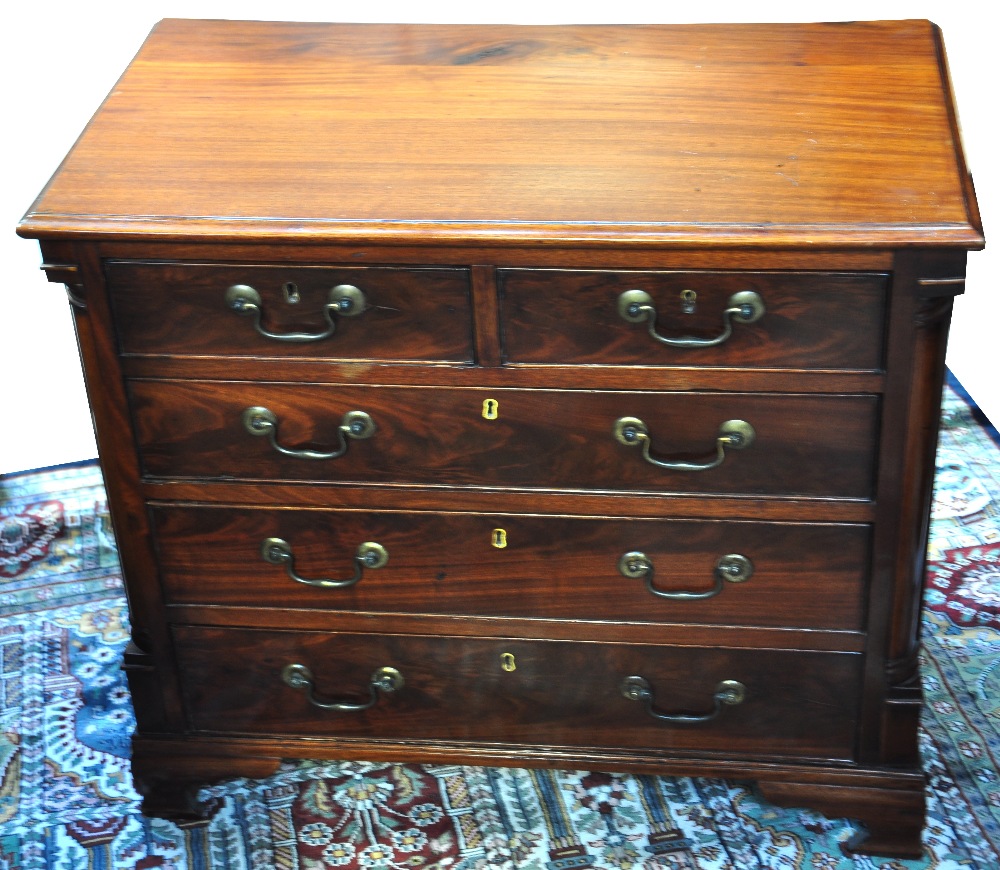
189,309
784,575
537,692
802,445
807,320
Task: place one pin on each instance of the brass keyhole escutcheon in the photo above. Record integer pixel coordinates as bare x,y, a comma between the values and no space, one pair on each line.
491,408
499,539
508,662
689,300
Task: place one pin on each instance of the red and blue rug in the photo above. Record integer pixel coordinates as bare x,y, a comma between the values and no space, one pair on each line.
67,802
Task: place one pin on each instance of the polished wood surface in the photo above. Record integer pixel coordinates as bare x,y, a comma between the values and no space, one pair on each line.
622,503
408,314
760,135
819,446
492,190
797,704
815,320
548,567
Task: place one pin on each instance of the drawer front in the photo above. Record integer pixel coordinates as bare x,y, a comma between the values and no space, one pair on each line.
519,691
181,309
804,444
811,320
797,575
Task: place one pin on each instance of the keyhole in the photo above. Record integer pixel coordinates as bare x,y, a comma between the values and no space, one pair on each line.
490,409
689,300
499,538
508,662
291,291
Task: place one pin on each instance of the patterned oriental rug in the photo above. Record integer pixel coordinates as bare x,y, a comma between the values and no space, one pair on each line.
67,802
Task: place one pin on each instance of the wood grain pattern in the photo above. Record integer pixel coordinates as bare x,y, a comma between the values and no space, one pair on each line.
672,633
596,503
148,660
180,309
263,251
550,567
495,188
812,320
806,445
798,704
768,135
510,375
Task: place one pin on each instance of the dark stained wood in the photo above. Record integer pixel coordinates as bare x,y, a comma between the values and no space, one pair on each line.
930,319
622,504
759,136
613,377
806,445
411,314
169,780
456,688
678,633
549,567
927,284
492,189
230,749
486,316
812,320
263,252
893,816
152,678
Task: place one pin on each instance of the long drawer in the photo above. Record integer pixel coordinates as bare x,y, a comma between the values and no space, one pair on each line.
185,309
794,575
806,445
797,704
810,320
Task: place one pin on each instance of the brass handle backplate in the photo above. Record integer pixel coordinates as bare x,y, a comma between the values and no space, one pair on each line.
728,693
277,551
733,567
387,680
733,435
636,306
263,422
344,300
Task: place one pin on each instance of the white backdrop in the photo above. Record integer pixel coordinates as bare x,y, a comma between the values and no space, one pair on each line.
61,59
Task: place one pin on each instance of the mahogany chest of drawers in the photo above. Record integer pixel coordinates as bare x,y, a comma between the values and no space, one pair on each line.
557,396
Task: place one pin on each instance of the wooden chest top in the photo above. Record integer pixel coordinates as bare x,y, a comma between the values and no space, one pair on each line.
697,136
